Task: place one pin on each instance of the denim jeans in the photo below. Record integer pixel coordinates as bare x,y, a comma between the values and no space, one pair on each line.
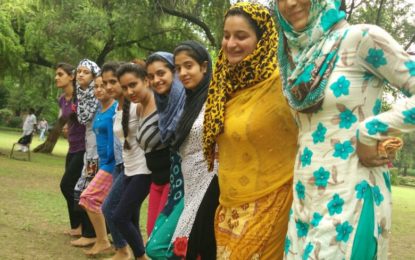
111,203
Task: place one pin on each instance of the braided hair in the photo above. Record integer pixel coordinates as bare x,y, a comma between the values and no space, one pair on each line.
124,122
140,72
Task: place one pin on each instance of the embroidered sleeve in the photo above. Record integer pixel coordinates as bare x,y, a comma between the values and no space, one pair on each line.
382,56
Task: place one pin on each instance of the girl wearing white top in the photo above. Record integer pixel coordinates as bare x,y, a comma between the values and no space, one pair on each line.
138,180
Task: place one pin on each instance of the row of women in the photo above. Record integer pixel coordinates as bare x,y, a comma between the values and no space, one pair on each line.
288,127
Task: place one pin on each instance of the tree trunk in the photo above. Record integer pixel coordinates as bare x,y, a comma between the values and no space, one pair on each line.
405,170
379,15
53,136
410,43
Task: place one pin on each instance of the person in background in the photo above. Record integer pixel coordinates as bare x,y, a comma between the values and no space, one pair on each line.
333,78
249,121
29,127
43,128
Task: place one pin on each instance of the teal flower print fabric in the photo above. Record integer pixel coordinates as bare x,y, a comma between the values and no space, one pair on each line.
330,185
376,58
340,87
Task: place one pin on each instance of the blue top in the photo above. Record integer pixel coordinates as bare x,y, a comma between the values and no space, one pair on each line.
102,127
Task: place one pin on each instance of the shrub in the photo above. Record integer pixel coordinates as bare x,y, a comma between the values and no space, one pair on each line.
5,116
411,172
407,181
15,122
395,180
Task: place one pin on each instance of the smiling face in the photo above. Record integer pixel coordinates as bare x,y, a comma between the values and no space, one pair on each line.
134,88
100,91
112,85
239,38
189,70
62,79
160,76
296,12
84,77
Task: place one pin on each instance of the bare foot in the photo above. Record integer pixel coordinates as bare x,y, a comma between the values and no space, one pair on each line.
103,247
121,254
75,232
83,241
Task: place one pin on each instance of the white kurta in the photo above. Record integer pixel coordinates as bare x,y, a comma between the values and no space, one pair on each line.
196,177
329,181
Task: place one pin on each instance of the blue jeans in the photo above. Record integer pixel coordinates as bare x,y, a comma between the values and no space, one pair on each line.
111,202
42,134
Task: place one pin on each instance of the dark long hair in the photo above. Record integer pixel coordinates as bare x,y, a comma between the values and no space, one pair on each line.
141,73
70,70
110,66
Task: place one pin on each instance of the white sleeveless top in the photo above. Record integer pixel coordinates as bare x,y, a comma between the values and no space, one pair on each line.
134,159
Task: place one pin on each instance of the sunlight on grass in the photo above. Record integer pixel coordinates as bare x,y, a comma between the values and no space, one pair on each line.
7,138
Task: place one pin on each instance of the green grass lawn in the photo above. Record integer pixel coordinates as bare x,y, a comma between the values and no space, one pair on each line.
33,212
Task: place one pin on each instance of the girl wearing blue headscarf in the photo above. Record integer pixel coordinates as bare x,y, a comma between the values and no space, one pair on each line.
170,98
333,78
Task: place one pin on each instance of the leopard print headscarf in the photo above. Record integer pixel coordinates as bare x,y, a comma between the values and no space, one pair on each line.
253,69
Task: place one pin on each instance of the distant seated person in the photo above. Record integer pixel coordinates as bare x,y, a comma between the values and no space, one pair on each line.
29,127
43,128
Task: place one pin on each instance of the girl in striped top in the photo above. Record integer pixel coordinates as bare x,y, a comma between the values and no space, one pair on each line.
148,133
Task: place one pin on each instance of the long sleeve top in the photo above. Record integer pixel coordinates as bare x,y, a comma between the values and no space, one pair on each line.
103,129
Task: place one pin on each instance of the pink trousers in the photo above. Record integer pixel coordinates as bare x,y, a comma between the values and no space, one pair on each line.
157,200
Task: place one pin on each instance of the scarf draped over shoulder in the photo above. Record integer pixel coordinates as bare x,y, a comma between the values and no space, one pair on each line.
195,99
307,58
169,107
87,103
227,79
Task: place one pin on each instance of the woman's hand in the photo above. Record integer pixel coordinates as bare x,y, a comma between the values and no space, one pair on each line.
369,156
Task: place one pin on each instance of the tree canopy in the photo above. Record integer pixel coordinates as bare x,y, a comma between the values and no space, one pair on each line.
37,34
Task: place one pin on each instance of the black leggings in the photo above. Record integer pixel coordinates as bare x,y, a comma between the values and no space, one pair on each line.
202,240
73,169
135,191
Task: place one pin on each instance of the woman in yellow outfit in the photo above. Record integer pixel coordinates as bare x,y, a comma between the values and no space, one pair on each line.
249,124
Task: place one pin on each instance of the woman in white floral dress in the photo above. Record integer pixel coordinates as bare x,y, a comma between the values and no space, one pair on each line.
334,74
201,189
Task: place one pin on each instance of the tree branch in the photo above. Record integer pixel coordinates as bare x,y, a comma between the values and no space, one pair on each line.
39,60
110,45
191,19
410,42
379,12
349,13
